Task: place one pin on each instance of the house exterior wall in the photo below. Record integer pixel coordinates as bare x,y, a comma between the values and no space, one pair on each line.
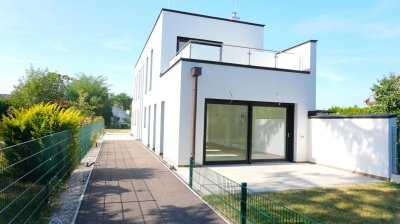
232,33
227,82
357,144
175,87
141,97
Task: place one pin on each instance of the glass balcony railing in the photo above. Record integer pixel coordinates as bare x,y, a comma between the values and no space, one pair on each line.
210,51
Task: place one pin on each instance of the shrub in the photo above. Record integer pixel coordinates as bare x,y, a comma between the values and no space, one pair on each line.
354,110
22,125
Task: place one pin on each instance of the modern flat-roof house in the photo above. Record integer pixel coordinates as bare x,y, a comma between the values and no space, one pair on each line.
204,87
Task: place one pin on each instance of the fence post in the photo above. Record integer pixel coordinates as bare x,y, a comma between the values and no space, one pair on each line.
243,203
191,172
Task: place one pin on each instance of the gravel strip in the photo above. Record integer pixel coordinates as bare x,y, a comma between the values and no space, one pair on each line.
69,200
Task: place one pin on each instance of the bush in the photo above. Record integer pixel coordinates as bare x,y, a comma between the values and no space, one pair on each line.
354,110
22,125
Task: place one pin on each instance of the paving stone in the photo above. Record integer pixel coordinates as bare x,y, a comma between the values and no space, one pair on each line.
131,186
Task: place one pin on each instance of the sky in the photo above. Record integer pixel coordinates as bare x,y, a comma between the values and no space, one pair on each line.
358,40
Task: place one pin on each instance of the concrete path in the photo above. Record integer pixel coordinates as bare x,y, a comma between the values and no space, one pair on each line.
131,186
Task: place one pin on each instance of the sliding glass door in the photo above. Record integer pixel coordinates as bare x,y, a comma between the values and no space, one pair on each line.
269,133
243,131
226,134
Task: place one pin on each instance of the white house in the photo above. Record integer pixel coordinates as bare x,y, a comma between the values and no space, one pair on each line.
119,115
204,87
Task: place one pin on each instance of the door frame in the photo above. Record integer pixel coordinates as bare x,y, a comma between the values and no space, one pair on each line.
289,153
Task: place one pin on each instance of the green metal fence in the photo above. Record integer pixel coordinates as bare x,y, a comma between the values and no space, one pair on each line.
237,202
396,152
32,171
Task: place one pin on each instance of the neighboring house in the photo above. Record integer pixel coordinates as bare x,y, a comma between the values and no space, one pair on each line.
371,99
204,87
119,115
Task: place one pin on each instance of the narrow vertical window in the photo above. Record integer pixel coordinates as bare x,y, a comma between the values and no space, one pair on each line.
135,92
144,119
147,71
151,68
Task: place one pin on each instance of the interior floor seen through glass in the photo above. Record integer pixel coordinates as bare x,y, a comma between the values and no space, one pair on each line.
226,132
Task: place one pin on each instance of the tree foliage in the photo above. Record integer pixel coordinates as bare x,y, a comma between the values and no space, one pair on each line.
39,86
387,95
122,100
4,105
387,99
90,94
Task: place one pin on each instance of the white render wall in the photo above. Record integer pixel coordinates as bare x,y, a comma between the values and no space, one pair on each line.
175,88
232,33
219,82
356,144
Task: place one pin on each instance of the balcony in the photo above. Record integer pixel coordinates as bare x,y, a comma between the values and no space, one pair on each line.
211,51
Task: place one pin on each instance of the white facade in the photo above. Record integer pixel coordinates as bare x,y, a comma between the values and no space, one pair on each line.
235,70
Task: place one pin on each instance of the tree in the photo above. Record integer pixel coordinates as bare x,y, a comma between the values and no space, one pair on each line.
122,100
4,105
39,86
90,94
387,95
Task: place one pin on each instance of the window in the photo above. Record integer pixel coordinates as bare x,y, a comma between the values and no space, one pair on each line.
247,131
144,120
135,93
147,66
181,41
151,68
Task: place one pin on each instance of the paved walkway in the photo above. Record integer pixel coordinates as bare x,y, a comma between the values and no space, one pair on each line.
131,186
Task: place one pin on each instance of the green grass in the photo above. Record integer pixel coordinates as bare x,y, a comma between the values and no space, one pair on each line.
117,130
259,209
362,203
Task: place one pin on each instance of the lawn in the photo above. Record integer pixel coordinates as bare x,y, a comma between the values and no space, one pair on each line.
362,203
117,130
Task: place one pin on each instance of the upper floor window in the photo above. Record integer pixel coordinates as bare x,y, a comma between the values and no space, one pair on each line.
181,41
151,68
147,71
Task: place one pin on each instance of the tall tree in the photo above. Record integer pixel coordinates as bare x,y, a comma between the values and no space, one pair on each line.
38,86
4,105
387,95
122,100
91,95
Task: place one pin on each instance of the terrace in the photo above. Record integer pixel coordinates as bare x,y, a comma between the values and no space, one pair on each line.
230,54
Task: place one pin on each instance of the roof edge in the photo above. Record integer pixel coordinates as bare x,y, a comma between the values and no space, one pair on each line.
212,17
313,41
356,116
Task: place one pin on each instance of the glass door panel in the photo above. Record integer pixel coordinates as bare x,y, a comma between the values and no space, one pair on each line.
226,132
268,133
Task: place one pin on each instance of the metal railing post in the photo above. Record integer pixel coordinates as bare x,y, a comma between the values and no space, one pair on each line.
191,172
243,203
190,49
220,53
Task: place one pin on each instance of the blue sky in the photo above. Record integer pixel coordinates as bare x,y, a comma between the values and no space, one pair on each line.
358,40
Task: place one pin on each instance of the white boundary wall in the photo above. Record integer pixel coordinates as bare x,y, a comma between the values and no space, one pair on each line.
361,144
